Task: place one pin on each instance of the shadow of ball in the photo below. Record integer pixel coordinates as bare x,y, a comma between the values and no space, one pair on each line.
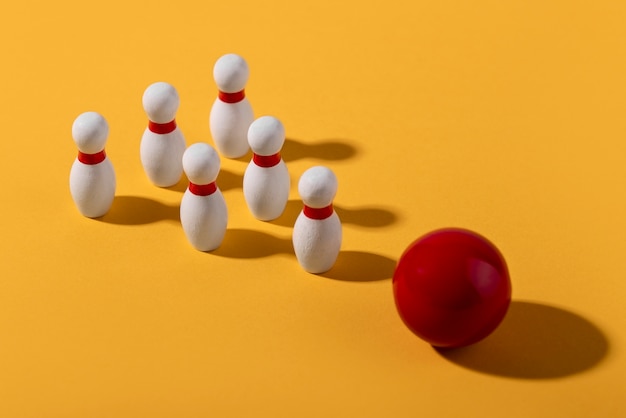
535,341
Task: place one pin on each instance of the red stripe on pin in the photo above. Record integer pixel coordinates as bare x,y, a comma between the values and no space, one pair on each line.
231,97
318,213
266,161
91,159
162,128
202,189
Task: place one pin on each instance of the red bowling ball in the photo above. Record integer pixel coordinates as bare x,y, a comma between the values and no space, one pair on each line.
452,287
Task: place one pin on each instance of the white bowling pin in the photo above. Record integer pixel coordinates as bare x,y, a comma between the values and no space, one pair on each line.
266,179
203,211
317,231
163,143
231,114
92,178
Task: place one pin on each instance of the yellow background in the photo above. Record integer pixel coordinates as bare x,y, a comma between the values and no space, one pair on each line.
505,117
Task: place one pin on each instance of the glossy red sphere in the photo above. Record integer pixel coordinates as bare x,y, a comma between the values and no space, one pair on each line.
452,287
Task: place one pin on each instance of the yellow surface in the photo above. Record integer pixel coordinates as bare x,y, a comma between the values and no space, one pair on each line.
505,117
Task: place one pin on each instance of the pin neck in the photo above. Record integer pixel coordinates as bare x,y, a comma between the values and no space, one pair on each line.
91,159
162,128
266,161
202,189
231,97
318,213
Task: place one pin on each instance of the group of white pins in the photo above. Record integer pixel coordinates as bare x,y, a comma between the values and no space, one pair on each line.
203,212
